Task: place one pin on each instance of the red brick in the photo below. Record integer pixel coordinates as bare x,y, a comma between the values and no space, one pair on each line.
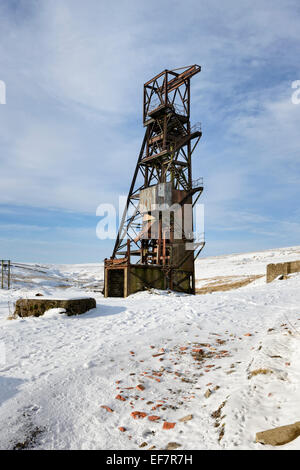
167,425
119,397
107,408
138,414
153,418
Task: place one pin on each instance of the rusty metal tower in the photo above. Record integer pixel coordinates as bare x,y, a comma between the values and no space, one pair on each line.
164,252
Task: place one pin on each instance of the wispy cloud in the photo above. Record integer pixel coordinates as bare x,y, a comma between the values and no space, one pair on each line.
71,129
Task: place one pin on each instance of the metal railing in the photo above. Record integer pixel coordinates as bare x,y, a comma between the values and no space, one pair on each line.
178,108
197,182
196,127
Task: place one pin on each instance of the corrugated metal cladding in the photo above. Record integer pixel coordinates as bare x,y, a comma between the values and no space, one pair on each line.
158,194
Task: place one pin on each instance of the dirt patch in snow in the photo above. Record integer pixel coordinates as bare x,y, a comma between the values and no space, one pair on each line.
225,283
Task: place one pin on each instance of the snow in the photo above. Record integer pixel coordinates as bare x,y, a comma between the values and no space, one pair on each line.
59,371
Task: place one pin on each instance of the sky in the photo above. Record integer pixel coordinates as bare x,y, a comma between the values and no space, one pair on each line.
71,128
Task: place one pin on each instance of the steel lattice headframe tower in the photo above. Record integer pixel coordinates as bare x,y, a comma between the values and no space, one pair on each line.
162,179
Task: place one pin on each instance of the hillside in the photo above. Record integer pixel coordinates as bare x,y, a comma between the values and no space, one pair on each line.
217,367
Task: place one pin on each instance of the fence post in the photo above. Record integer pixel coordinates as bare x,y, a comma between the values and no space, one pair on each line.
8,274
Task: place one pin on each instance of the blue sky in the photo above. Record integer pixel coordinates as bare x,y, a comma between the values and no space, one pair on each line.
71,128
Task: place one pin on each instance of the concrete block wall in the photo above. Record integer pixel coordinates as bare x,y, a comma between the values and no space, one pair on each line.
279,269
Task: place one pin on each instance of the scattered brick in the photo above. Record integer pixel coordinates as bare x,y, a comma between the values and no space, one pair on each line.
156,406
186,418
119,397
107,408
153,418
138,414
172,446
167,425
221,341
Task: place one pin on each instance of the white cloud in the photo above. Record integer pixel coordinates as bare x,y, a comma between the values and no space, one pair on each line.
71,131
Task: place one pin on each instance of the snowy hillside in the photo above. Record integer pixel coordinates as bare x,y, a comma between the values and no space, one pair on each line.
204,372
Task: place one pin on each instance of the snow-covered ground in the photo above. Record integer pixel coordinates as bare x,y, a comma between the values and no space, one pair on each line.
226,362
